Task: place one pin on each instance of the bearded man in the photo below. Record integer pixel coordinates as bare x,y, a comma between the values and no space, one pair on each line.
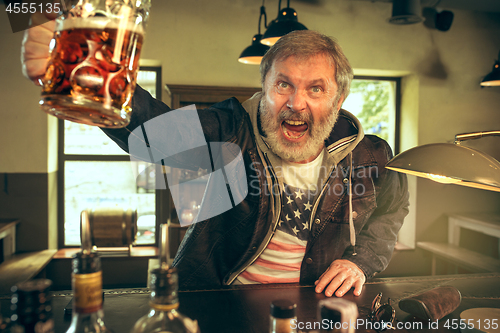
321,208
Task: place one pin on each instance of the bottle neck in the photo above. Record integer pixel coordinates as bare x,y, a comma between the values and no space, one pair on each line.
164,289
87,293
163,307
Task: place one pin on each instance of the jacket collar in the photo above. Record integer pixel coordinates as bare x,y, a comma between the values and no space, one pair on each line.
347,134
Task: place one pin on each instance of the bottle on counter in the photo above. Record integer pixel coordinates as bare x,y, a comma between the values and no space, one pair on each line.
164,302
86,281
4,323
282,317
31,306
337,315
163,315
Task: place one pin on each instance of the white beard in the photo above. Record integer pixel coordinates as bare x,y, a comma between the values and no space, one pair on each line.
296,151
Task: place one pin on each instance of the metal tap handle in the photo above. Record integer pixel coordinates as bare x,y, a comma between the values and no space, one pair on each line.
85,232
164,250
474,135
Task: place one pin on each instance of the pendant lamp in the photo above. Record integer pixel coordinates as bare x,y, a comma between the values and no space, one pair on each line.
493,78
253,54
449,163
406,12
285,22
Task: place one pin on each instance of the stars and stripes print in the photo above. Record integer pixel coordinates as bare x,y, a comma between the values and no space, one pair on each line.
281,260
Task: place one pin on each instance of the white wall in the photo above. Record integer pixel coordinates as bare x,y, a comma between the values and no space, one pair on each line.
198,42
24,131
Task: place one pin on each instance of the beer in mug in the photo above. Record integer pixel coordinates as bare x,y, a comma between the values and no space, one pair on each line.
91,74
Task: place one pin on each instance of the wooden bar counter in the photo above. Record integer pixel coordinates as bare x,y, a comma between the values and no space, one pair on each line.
246,308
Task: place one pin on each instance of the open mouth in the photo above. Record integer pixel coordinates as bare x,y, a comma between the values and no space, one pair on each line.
294,129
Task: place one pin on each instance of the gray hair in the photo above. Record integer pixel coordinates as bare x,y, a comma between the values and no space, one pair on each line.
304,44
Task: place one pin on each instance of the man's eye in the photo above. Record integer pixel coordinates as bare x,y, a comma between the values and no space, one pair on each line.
284,88
316,89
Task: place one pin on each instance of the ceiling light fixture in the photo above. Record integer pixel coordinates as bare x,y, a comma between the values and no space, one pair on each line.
253,54
441,20
449,163
406,12
493,78
286,22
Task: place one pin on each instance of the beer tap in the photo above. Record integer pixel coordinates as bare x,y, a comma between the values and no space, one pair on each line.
85,233
164,250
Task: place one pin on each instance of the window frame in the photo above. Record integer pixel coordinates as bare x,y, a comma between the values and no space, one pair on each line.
397,101
160,195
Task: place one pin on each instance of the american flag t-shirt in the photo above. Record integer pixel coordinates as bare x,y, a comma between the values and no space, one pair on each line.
281,260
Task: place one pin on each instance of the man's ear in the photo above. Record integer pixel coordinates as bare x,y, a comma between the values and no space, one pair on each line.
340,102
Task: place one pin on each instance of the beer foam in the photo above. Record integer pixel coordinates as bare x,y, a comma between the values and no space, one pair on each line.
97,22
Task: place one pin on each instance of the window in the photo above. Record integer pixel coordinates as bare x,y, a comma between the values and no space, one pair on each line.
96,173
375,102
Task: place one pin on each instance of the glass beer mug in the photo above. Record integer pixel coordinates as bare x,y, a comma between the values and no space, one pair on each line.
94,58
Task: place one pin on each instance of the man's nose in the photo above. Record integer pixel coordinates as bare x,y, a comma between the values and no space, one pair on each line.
297,101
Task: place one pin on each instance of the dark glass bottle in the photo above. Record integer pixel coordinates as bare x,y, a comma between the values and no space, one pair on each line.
164,302
163,315
283,318
31,307
86,281
337,315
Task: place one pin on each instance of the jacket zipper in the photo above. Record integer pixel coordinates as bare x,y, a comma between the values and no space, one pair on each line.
318,199
269,236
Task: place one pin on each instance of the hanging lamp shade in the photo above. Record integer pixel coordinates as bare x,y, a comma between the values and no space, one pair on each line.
406,12
493,78
451,164
253,54
286,22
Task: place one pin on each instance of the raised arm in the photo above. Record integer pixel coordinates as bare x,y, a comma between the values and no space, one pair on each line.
218,124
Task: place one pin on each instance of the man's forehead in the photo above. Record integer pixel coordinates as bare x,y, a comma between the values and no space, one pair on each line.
282,66
319,58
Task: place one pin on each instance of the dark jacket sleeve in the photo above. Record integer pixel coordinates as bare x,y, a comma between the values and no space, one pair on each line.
144,108
164,132
375,242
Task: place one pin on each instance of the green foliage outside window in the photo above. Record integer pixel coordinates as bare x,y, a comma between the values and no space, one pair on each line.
375,113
